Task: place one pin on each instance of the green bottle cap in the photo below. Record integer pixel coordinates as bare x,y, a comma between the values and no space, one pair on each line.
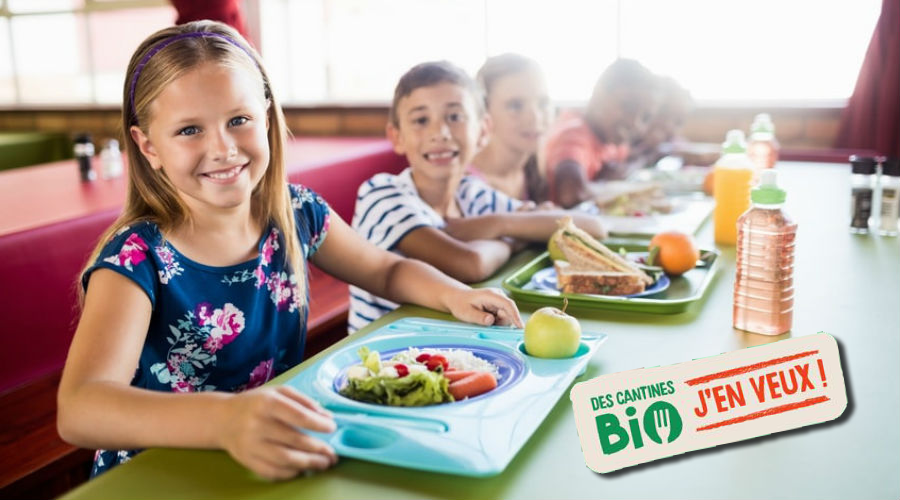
768,192
734,142
762,123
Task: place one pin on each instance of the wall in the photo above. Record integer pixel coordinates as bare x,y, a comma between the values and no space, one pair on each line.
797,128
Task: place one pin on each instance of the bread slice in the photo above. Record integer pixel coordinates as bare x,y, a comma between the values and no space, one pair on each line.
584,252
571,279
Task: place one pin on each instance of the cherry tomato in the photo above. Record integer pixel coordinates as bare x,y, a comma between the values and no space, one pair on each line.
437,360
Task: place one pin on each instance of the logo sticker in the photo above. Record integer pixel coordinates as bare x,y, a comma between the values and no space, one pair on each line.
638,416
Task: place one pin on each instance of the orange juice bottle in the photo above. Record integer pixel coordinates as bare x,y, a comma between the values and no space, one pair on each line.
732,179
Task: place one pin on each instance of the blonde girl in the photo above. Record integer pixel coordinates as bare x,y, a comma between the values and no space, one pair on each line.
197,295
518,116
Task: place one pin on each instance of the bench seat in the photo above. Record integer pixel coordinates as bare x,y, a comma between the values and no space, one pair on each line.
50,225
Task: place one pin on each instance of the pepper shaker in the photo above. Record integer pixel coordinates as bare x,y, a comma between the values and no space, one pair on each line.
84,153
861,190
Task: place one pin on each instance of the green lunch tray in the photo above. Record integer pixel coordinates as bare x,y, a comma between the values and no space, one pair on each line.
680,294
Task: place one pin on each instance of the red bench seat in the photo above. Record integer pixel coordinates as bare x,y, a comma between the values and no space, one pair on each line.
50,224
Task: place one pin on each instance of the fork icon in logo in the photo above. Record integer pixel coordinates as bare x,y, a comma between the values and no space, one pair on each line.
662,423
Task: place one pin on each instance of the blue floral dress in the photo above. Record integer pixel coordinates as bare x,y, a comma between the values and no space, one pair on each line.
215,328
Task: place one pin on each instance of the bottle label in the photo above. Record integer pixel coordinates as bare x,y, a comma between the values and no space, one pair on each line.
890,209
84,149
860,207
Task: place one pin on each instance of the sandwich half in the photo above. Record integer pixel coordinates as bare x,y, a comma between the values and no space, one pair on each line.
573,280
591,267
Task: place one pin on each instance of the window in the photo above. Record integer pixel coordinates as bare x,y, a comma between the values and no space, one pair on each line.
353,51
72,51
769,50
722,50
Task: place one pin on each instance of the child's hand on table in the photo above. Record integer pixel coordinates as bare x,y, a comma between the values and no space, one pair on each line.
260,429
484,306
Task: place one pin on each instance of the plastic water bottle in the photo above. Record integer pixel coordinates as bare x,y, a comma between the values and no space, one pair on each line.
764,278
763,147
732,177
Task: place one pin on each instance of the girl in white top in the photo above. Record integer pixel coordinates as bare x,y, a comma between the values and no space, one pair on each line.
518,114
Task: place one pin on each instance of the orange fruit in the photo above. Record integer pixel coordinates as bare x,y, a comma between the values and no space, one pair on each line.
678,252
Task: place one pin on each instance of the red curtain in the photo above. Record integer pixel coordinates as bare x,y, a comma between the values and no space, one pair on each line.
226,11
871,119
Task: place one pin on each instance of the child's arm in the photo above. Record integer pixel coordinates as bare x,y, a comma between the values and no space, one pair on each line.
468,261
97,408
570,184
536,225
351,258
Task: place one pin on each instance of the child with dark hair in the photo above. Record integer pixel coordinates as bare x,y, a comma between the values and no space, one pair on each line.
661,136
594,145
433,211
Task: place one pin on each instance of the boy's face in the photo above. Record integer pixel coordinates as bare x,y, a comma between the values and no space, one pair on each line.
438,130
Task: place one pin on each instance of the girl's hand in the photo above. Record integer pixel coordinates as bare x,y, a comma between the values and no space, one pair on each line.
484,306
260,429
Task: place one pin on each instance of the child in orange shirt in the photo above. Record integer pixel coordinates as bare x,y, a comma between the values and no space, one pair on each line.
594,145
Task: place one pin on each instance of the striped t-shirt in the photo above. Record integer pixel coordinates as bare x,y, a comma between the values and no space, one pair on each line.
388,207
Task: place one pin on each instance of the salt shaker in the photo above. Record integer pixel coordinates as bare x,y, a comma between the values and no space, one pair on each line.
111,159
890,196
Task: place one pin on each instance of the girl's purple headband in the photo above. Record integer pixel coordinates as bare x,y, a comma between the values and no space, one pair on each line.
165,43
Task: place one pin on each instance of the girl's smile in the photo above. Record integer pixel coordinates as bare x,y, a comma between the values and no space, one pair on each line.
226,176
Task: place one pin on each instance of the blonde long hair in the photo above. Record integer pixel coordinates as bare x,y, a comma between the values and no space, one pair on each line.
151,195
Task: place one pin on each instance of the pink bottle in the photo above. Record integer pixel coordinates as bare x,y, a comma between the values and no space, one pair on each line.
764,278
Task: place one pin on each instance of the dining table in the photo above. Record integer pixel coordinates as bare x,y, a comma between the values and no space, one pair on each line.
847,285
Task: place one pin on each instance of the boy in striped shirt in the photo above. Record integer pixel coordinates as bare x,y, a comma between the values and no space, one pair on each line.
432,211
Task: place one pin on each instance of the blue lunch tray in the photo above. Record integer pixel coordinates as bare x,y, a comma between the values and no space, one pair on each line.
478,436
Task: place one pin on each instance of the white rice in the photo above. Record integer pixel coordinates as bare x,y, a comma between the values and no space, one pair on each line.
458,359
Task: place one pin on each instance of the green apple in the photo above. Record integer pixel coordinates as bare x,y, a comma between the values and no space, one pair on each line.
551,333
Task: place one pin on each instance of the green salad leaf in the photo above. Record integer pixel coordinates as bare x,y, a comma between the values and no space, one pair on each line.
415,389
370,359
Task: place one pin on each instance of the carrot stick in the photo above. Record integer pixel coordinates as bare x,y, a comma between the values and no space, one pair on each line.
454,375
473,385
